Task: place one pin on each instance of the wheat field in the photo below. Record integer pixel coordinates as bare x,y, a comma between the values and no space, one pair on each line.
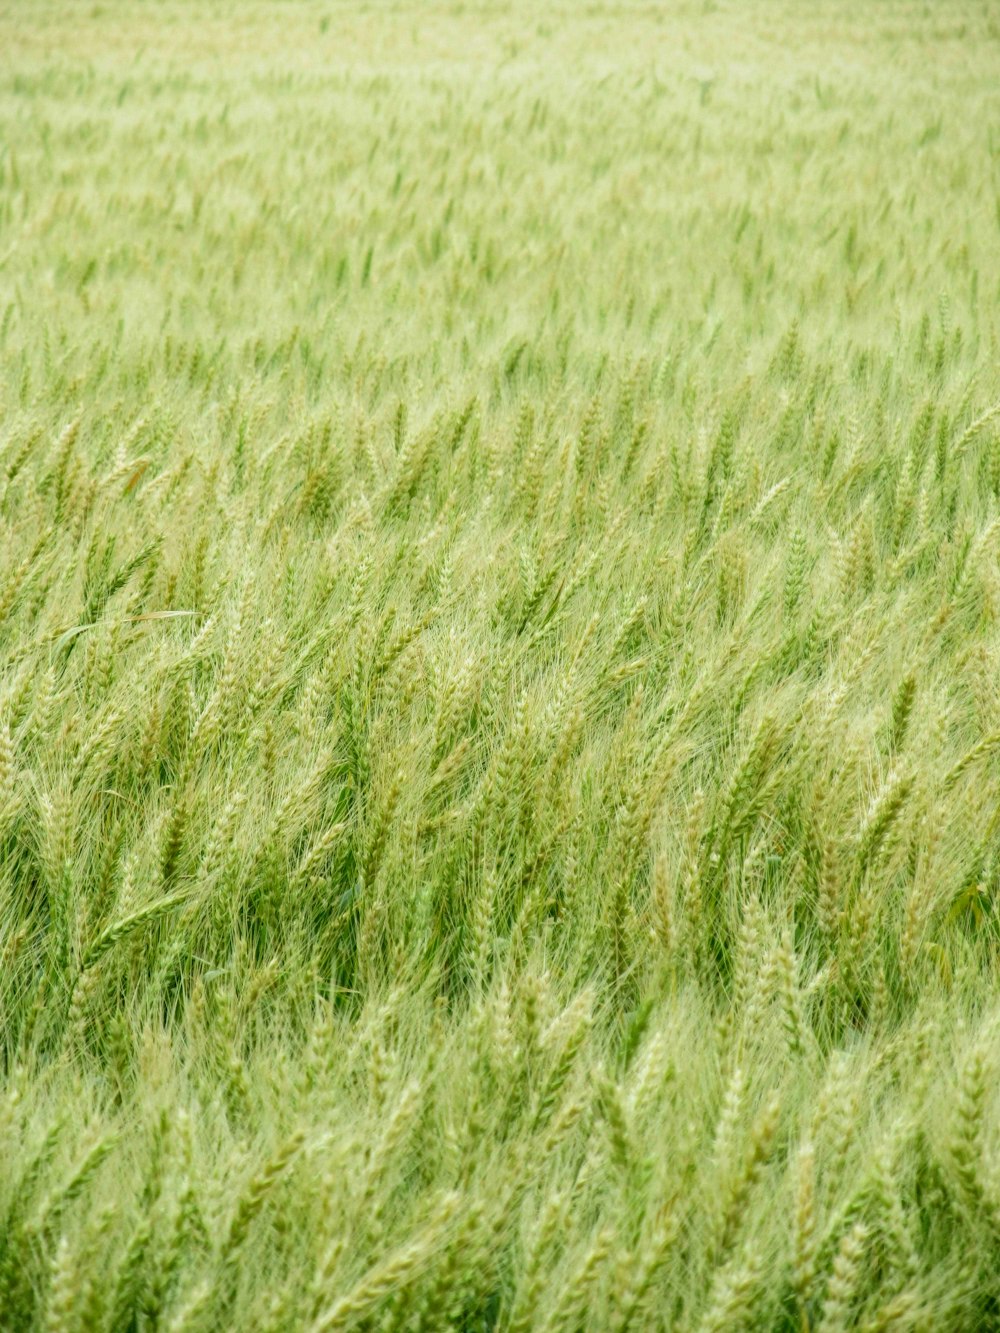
499,666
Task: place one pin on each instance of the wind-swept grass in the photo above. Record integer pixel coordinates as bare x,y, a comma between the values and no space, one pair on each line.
499,642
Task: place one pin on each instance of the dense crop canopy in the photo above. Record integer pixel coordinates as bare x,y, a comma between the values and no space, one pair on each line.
499,665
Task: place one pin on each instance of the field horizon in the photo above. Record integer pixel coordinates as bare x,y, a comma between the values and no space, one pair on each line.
499,645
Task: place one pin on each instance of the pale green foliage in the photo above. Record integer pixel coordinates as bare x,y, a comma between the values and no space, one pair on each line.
499,659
